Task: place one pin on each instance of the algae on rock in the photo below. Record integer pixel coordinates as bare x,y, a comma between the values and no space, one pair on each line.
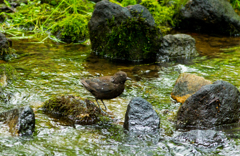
8,74
76,109
128,33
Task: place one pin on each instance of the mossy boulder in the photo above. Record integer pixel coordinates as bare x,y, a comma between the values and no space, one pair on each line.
186,85
127,33
210,16
21,121
8,74
78,110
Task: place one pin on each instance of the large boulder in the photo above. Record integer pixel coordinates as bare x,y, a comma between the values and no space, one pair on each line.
21,121
211,16
212,105
202,138
177,46
77,110
141,117
124,33
186,85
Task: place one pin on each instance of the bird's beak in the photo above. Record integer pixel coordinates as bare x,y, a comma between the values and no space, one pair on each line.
129,78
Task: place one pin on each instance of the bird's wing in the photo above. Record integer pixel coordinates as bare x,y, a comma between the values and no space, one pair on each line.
97,85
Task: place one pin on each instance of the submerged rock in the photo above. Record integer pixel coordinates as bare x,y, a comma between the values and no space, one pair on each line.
76,109
21,121
141,117
177,46
124,33
211,16
186,85
202,138
212,105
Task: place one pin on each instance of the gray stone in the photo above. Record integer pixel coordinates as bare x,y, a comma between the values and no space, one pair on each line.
141,117
211,16
178,45
21,121
202,138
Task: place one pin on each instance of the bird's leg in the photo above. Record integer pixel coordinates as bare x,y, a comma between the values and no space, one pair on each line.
104,105
99,105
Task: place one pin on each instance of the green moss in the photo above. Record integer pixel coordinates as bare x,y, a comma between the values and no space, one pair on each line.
132,40
116,2
235,4
68,16
74,108
73,27
52,2
128,2
10,73
165,13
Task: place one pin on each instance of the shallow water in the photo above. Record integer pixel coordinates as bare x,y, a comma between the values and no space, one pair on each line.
51,69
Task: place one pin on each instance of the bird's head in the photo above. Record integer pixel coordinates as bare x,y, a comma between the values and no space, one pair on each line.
120,77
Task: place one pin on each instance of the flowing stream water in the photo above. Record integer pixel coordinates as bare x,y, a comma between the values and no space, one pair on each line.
50,69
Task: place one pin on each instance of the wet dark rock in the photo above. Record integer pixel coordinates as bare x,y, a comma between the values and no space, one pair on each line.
186,85
124,33
21,121
6,52
141,117
211,16
2,18
77,110
202,138
212,105
95,1
177,46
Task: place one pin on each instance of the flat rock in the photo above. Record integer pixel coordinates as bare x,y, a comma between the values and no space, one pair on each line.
186,85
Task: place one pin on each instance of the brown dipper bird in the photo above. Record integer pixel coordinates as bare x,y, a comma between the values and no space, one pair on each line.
106,87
